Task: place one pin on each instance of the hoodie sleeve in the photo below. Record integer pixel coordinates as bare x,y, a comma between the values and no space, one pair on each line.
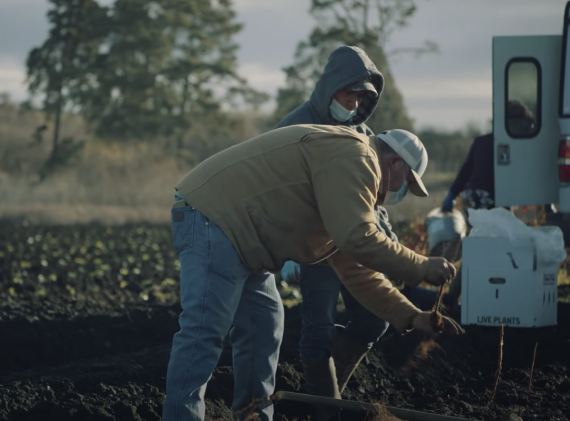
346,189
363,128
464,173
374,292
384,225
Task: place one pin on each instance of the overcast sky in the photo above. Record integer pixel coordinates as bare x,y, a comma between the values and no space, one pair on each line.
447,90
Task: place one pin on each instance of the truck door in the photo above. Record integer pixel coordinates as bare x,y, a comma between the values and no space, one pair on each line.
526,131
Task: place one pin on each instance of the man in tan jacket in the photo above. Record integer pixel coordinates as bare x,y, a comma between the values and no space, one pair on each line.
304,193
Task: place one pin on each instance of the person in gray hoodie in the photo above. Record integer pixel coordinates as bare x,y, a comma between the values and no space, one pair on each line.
346,93
349,80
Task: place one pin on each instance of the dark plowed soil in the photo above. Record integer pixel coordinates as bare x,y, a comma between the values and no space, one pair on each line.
87,315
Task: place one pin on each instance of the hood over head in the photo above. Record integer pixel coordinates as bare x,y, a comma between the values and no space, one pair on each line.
346,66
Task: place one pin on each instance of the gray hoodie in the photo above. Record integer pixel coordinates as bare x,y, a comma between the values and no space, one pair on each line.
345,66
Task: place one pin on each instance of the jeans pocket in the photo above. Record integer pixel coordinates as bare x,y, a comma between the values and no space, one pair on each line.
183,227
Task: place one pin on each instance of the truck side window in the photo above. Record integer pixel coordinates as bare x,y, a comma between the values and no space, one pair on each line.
522,108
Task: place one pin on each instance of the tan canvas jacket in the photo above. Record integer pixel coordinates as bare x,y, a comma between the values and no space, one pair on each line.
299,193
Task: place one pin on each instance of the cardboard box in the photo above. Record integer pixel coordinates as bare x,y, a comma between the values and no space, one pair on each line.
503,283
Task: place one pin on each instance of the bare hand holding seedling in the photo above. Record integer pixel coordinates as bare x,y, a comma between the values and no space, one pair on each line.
426,322
439,271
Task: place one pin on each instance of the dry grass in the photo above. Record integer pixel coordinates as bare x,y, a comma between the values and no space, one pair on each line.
110,182
115,182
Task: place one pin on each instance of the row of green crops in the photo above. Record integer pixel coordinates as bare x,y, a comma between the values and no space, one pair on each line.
131,262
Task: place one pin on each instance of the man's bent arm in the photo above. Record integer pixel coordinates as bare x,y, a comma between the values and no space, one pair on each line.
374,292
346,191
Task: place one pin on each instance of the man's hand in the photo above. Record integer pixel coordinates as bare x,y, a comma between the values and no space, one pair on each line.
439,271
425,322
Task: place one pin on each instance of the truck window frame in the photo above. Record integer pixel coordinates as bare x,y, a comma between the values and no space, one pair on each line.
538,114
563,80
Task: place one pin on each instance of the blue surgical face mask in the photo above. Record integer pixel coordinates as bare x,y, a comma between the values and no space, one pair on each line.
393,198
339,113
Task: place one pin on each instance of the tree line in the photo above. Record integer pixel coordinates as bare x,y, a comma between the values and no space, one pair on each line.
147,69
137,69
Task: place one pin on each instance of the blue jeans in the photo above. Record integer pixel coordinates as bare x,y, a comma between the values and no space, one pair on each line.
422,298
320,287
217,292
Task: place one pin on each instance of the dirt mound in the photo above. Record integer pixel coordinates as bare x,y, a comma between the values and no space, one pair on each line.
87,317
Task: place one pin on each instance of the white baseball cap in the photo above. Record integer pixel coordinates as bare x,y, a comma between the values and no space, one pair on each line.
409,147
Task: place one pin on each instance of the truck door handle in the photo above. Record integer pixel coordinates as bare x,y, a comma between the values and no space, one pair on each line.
497,281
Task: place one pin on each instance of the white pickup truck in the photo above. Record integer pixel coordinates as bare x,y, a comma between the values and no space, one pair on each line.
532,163
504,281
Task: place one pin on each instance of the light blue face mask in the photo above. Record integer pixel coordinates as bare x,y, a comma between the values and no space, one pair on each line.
339,113
395,197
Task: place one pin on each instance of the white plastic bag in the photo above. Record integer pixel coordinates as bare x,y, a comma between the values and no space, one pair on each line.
549,244
499,222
